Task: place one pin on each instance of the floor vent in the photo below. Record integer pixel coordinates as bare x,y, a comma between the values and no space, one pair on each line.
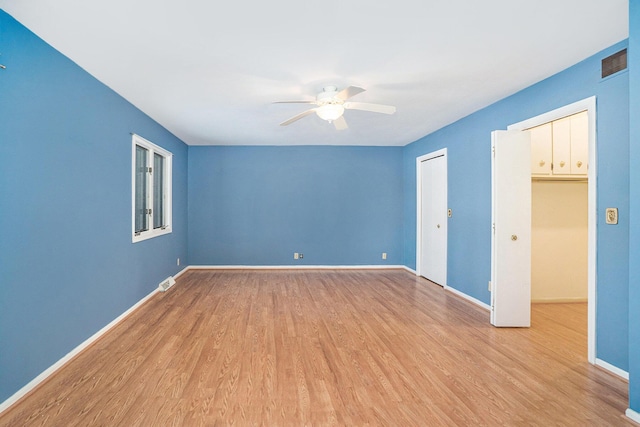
614,63
166,283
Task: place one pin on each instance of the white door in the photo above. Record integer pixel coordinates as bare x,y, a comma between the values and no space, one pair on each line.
433,220
511,234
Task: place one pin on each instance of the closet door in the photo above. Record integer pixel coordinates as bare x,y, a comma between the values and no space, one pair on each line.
433,249
511,229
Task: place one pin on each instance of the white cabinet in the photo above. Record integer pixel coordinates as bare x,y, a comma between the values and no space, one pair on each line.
579,143
561,148
541,143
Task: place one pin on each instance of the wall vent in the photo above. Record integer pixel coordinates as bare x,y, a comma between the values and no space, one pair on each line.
166,284
614,63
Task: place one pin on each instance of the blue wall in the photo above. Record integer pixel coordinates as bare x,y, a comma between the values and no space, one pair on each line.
259,205
468,141
634,234
67,264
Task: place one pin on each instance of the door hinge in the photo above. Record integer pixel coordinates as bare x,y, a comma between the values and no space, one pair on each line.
493,150
493,227
149,211
150,170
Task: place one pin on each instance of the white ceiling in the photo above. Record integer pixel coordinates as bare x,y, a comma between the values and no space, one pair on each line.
208,71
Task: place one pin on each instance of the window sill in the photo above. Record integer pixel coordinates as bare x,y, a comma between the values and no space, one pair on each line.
150,234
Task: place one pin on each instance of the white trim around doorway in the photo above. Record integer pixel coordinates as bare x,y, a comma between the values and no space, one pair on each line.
589,105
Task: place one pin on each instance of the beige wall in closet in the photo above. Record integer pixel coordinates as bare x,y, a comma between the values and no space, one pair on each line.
558,241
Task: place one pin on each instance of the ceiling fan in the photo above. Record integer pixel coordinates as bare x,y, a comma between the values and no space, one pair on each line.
331,105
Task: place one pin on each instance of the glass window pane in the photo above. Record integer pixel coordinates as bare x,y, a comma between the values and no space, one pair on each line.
151,190
158,191
141,217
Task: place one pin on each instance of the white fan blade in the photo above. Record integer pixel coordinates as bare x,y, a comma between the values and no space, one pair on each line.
294,102
347,93
298,117
340,123
375,108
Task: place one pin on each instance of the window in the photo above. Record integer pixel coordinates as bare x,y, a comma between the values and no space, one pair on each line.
151,190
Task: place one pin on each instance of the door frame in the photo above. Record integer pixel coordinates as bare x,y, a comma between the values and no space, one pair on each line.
439,153
588,104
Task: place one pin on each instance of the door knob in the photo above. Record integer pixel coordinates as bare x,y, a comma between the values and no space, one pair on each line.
579,163
438,225
514,237
541,163
562,164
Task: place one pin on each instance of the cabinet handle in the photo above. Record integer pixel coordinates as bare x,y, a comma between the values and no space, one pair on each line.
541,163
579,163
562,164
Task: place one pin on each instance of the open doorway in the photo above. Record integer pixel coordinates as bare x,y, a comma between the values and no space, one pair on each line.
570,190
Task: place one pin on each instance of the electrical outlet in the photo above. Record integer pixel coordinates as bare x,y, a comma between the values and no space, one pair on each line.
384,255
178,261
301,256
295,255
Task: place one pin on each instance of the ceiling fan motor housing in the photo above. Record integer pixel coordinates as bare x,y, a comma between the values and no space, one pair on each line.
329,96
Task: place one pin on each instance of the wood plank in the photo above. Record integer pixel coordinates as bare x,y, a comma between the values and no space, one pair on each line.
330,347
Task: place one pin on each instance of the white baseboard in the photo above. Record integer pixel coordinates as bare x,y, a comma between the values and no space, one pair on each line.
410,270
613,369
456,292
60,363
295,267
632,415
468,298
181,272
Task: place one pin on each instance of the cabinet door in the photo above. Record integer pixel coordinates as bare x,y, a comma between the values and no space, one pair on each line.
579,143
562,146
541,149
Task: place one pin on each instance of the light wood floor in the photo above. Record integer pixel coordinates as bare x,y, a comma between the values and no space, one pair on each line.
327,348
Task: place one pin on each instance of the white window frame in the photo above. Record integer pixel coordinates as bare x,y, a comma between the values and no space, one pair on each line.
152,149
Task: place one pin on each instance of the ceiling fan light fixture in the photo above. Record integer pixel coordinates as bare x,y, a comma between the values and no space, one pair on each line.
330,112
331,105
